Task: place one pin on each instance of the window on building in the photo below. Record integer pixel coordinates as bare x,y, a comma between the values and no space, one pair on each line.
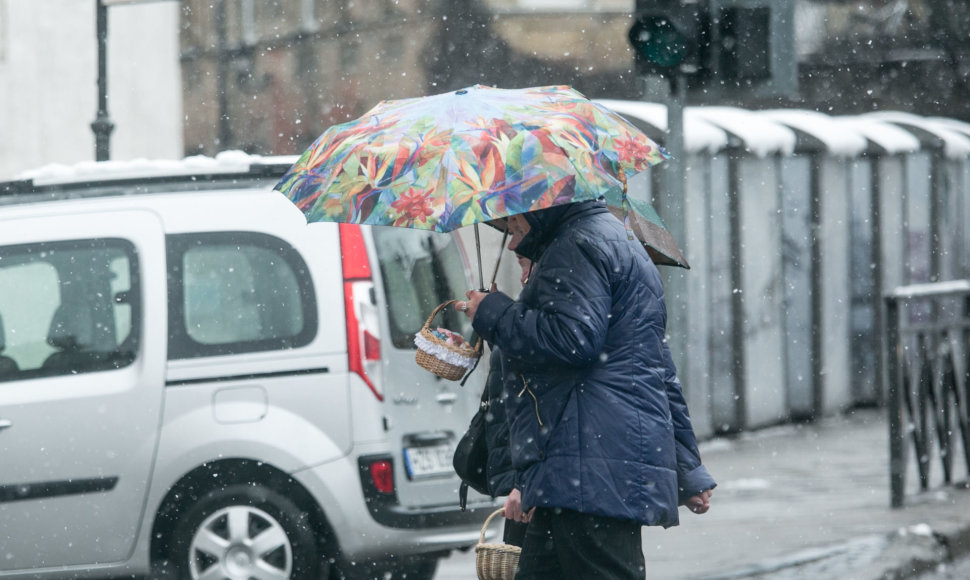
247,21
308,16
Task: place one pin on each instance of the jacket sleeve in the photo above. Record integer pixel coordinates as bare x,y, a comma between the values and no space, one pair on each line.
566,324
692,477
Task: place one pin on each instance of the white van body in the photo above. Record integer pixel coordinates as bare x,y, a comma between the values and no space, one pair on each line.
194,382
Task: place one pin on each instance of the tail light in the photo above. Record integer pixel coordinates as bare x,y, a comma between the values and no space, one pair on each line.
377,483
363,330
382,476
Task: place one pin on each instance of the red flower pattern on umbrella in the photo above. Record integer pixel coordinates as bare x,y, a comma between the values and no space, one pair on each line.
414,206
632,151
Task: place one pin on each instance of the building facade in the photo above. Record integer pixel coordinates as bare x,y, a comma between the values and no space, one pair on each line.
49,90
269,77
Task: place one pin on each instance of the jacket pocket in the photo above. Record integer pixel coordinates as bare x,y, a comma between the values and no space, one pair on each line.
527,429
535,402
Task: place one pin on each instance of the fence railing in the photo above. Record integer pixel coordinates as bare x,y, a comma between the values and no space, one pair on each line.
928,380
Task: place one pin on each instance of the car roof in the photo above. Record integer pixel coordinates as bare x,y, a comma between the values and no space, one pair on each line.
106,178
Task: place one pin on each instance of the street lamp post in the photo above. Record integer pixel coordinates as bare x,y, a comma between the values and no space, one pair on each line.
102,125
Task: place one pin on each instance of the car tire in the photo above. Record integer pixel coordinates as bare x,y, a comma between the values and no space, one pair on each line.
242,528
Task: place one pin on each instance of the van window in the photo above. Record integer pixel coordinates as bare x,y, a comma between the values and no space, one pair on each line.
236,292
67,307
420,270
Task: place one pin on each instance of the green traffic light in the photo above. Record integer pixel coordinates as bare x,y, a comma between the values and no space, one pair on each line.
658,42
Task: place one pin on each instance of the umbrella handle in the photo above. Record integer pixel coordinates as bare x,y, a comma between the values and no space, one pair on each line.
478,248
625,206
501,251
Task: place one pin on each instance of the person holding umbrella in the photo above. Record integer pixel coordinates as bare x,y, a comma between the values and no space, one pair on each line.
600,435
499,471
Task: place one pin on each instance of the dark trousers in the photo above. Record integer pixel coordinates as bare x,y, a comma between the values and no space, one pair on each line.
514,533
566,545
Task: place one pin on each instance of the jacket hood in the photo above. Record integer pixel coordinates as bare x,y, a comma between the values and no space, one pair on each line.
544,223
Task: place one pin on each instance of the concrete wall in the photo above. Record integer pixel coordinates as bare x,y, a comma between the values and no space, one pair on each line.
833,324
761,291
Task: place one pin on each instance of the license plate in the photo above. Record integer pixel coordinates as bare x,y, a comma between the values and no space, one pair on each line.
428,461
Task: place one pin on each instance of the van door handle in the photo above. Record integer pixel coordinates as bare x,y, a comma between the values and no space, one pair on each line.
4,423
446,398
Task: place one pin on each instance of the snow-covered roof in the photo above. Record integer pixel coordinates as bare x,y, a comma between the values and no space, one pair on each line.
699,135
955,144
225,162
761,135
838,139
957,125
881,133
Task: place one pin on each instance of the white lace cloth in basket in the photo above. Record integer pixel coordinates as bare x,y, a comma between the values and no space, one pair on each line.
442,353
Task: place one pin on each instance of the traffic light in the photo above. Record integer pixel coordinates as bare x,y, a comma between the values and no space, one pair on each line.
744,42
752,50
725,48
668,37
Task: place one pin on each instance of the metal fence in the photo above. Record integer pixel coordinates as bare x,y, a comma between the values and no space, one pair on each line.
928,381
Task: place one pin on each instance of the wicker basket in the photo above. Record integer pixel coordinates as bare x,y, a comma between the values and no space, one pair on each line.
495,561
466,356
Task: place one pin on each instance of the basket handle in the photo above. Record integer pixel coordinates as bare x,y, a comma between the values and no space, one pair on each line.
477,347
488,520
438,309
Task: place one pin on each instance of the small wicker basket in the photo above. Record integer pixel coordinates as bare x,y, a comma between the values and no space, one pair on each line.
495,561
461,359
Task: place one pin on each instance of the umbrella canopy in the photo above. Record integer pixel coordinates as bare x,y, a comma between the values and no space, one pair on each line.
466,157
647,226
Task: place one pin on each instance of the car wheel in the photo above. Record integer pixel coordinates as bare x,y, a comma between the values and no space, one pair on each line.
243,532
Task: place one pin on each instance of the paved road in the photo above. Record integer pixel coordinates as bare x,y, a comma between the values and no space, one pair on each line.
797,501
959,570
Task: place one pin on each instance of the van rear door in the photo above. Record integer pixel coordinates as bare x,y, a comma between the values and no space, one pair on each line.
83,307
425,414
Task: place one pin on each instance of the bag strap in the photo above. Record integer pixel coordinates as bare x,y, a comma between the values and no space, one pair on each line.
478,359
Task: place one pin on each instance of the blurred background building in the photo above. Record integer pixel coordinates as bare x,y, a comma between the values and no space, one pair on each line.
48,82
200,76
276,74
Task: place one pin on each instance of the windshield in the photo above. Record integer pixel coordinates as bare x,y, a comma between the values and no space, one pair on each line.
421,270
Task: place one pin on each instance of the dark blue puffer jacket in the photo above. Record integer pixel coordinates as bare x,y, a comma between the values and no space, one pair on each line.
498,471
598,422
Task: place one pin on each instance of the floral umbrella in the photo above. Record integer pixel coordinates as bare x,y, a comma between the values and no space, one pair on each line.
467,157
647,226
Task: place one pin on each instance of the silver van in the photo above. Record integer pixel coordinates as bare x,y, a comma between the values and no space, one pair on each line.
195,383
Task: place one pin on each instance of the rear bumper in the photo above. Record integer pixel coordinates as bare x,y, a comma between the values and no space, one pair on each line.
368,525
387,511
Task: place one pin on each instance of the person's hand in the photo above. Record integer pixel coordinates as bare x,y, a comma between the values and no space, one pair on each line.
470,306
512,509
699,503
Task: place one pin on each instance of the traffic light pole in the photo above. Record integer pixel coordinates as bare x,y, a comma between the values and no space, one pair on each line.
676,174
672,207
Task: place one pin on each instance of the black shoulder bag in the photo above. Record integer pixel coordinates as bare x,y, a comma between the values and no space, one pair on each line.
471,455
